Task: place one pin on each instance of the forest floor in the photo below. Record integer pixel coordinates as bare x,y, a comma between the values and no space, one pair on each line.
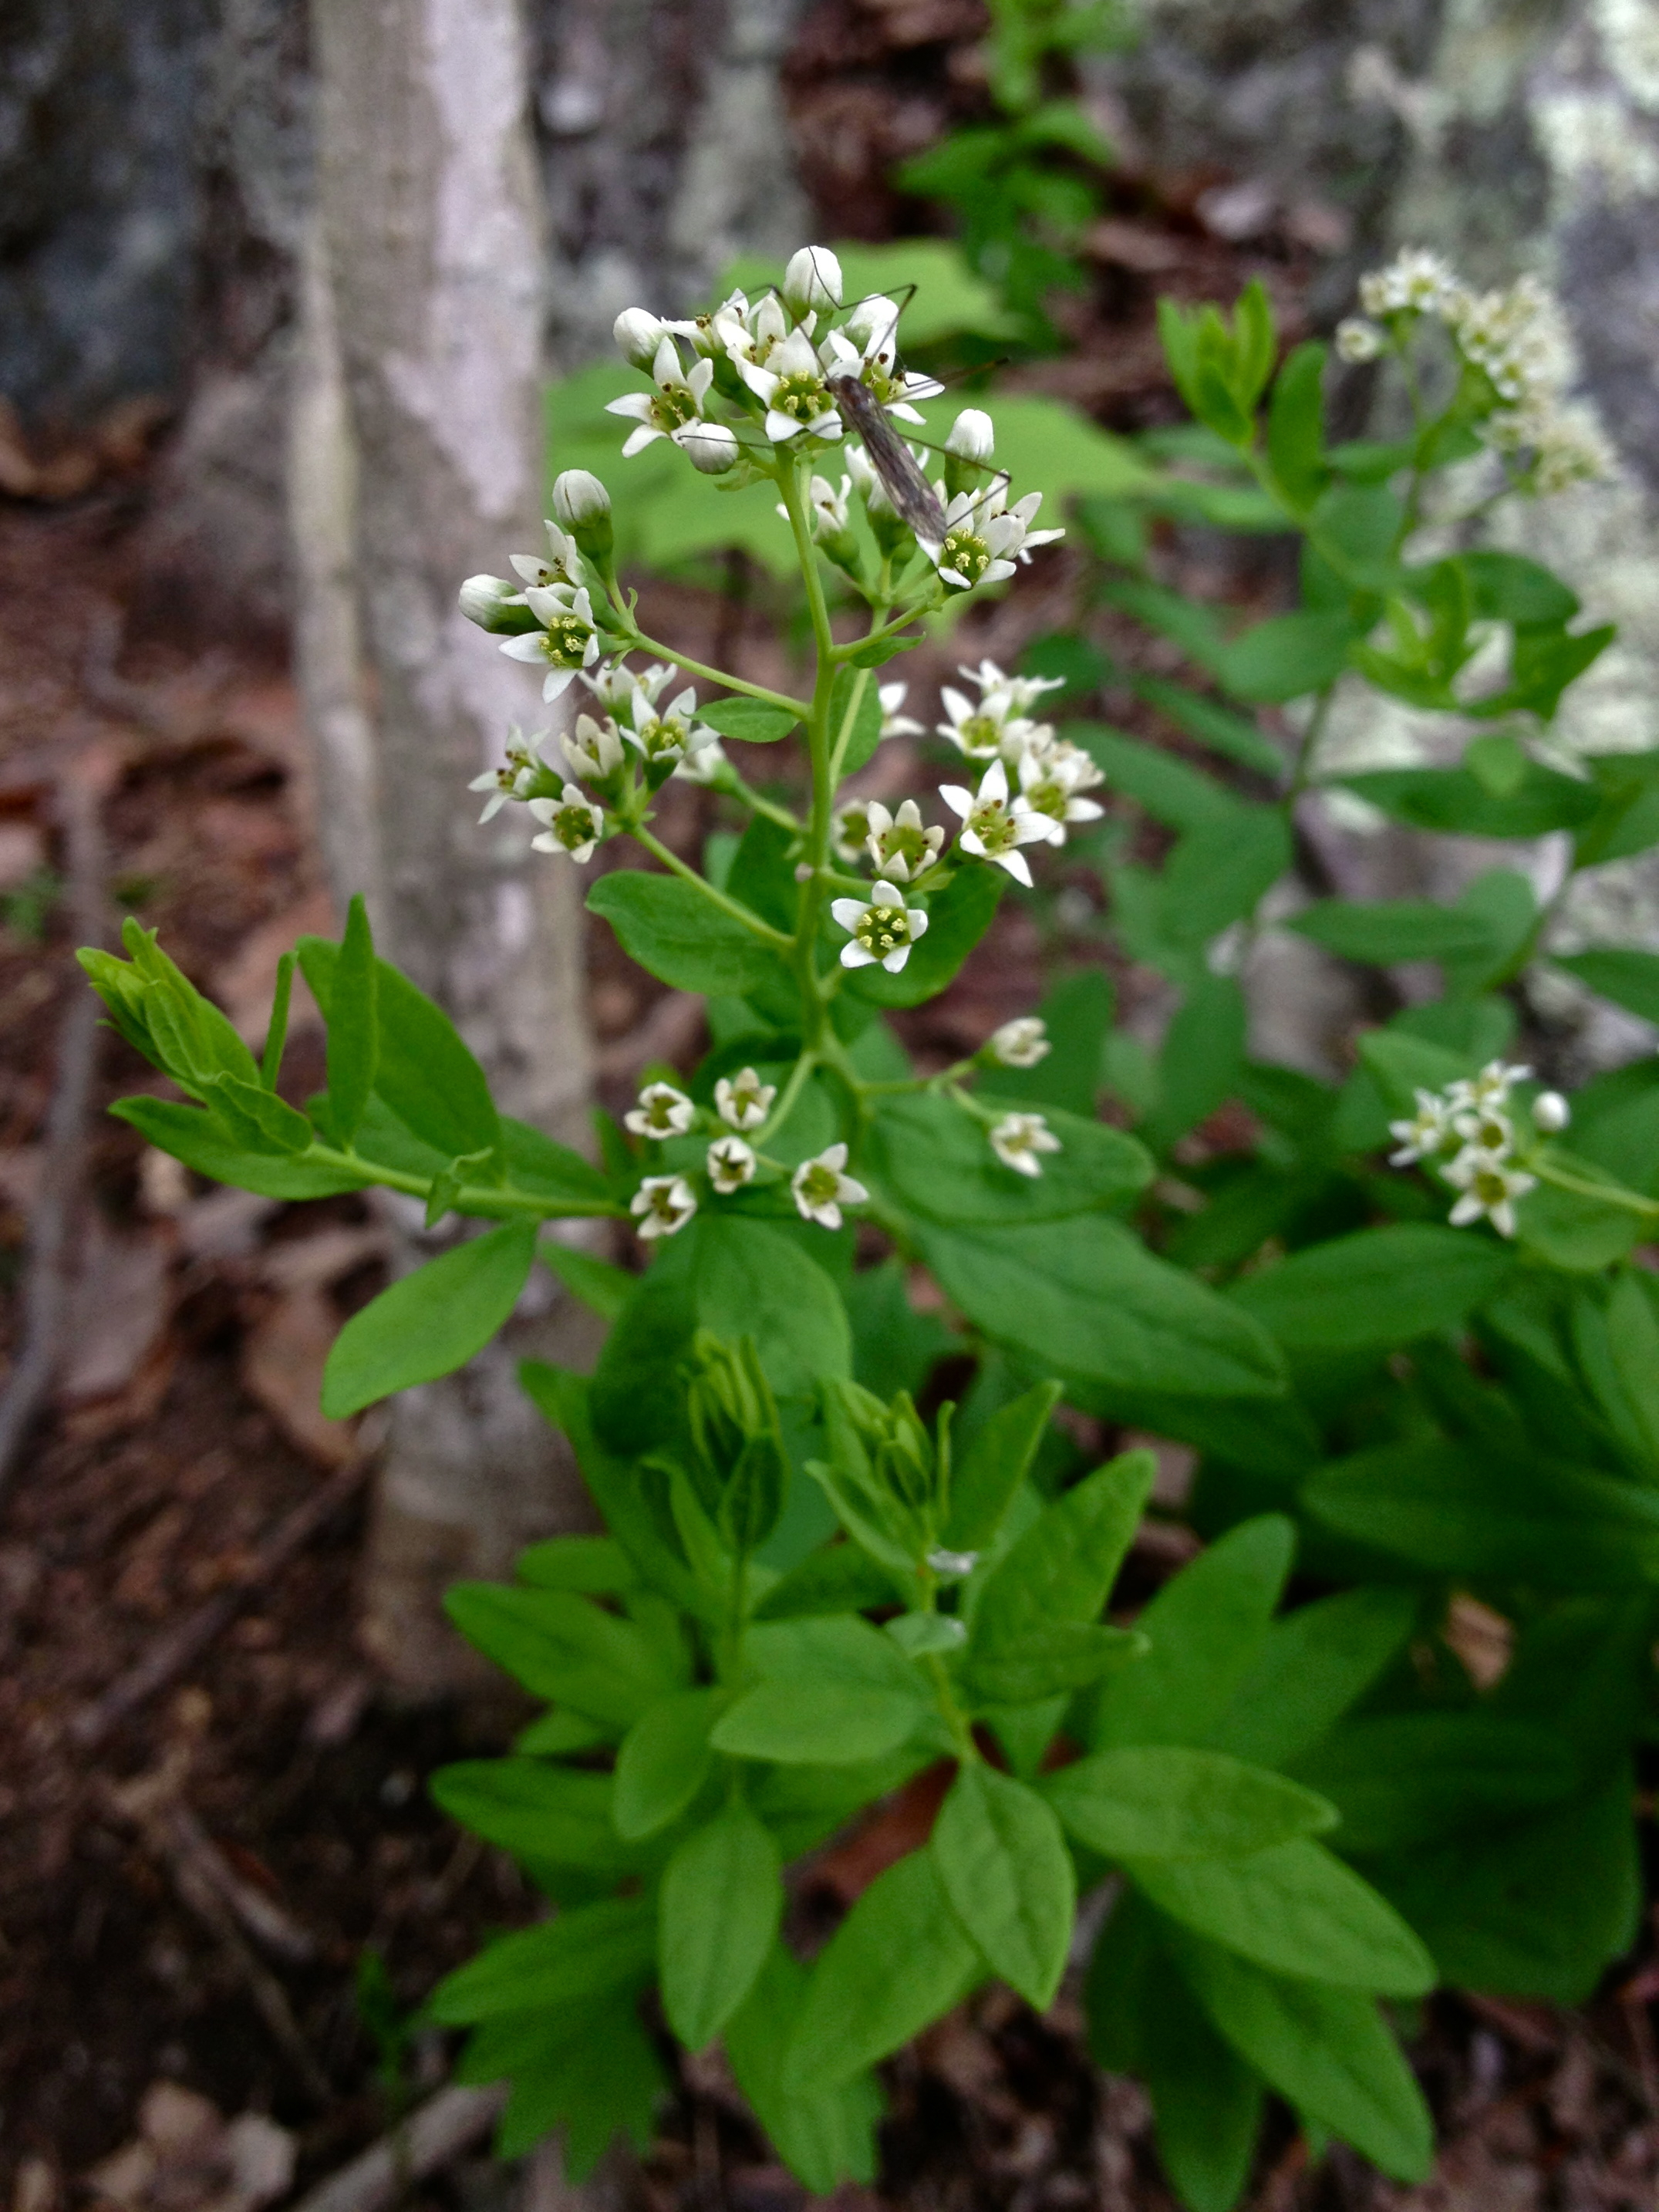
193,1867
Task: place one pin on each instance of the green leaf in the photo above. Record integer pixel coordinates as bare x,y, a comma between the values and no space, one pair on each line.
596,1565
859,724
1004,1865
838,1577
1213,725
1046,1663
752,721
722,1898
1400,1779
950,298
1202,1059
258,1119
536,1811
541,1168
1508,588
986,1478
1296,428
603,1288
1062,1568
590,2071
565,1650
425,1072
1326,2050
592,1949
1629,978
754,1280
1170,789
957,917
354,1040
1286,657
1165,1802
821,1725
1313,1665
1206,2101
1218,873
680,936
1382,931
1085,1298
1207,1626
1379,1286
937,1160
1296,1910
1454,800
1633,1341
428,1323
664,1761
826,2135
858,2008
1450,1510
198,1138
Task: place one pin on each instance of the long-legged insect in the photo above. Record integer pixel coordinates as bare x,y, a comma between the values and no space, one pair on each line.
913,498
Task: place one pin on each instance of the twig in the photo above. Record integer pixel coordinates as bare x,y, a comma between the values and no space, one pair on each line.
436,2132
170,1654
46,1281
260,1915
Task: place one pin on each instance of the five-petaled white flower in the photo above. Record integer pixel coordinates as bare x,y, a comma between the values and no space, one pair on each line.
995,729
1018,1139
674,408
881,927
792,385
566,641
562,565
743,1101
662,1111
1491,1087
1021,692
899,846
1051,783
994,826
1428,1135
517,779
574,824
593,748
821,1189
1019,1043
672,734
984,538
1490,1184
666,1204
731,1164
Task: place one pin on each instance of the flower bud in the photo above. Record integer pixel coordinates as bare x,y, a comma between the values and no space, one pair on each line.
966,449
710,446
485,600
1551,1112
582,506
638,334
812,283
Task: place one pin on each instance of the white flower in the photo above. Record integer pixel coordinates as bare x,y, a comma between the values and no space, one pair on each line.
883,929
704,766
828,508
792,385
1486,1129
638,335
662,1111
952,1565
579,497
563,563
1427,1135
894,724
667,1203
675,405
1018,1139
670,735
849,831
1021,692
821,1189
613,687
1551,1112
1416,281
973,436
812,281
900,848
1019,1043
994,827
749,334
593,749
985,732
517,780
865,348
1489,1185
743,1101
1491,1087
574,824
710,447
1049,783
731,1164
1359,340
984,538
566,641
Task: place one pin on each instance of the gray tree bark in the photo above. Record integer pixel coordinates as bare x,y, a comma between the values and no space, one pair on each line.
430,257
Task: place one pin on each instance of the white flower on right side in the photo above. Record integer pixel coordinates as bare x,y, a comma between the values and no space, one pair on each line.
894,722
984,732
1551,1112
1019,1043
593,748
662,1111
985,537
820,1189
1489,1185
899,844
994,826
1491,1087
743,1101
731,1164
574,824
1018,1139
1051,785
664,1205
880,928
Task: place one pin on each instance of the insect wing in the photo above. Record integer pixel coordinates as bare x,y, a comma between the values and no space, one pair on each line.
913,498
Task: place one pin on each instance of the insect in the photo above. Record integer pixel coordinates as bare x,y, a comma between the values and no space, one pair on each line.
913,498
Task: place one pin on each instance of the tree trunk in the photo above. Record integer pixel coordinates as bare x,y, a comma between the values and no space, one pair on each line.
430,257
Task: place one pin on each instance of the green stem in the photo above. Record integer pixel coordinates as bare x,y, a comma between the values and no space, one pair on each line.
641,643
1608,1194
753,799
785,1104
469,1196
817,741
1308,747
727,906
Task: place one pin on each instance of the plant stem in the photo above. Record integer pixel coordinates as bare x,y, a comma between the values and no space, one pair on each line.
1308,747
727,906
467,1196
641,643
818,740
1608,1194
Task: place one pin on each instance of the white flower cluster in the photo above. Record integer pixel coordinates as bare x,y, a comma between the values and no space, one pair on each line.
663,1203
1517,338
1468,1133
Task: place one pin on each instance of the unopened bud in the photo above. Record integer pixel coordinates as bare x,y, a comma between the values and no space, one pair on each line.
483,601
812,283
711,447
638,334
581,505
1550,1112
966,449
